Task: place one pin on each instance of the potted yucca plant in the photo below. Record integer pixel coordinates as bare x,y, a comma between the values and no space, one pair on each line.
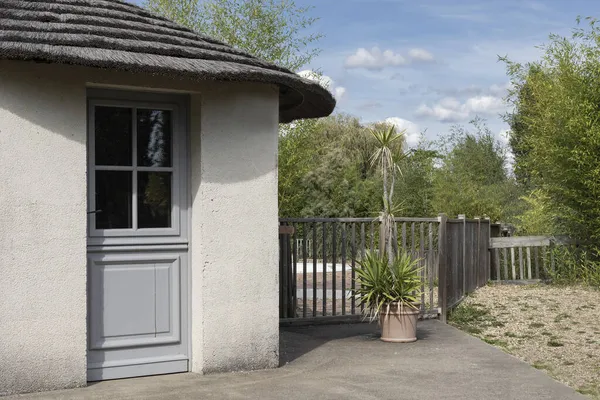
389,291
388,281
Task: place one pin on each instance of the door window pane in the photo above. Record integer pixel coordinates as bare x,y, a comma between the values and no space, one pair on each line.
113,136
154,199
113,200
154,138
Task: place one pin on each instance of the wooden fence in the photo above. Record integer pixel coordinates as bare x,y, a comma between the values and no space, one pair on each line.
318,257
521,258
464,262
318,260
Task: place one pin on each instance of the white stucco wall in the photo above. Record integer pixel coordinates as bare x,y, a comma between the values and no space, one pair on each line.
42,230
234,229
233,249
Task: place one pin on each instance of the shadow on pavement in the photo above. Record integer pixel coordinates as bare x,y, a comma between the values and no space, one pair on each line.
294,342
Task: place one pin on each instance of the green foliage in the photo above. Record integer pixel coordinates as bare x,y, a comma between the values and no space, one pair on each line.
574,265
324,169
472,318
472,178
414,187
296,159
380,282
556,129
273,30
536,218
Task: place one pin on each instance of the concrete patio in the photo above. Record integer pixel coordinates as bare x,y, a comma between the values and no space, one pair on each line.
349,362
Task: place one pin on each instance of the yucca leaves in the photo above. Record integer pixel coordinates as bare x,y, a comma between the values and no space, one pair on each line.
379,282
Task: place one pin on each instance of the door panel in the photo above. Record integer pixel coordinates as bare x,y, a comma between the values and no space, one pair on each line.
125,314
136,314
135,300
137,241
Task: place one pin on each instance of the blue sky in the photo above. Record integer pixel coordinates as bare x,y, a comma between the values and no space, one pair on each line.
429,64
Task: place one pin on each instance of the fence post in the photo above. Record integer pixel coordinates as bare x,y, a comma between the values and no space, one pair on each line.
494,253
286,302
479,268
464,252
442,268
488,272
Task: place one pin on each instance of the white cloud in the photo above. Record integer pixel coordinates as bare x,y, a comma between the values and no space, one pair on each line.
448,109
504,136
485,105
420,55
451,109
339,92
376,59
413,133
325,81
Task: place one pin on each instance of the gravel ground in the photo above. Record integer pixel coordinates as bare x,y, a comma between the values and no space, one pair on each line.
555,329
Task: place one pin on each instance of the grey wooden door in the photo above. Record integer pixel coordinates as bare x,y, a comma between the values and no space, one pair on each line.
137,235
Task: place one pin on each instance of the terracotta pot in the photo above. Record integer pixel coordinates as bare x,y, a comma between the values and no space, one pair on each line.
399,323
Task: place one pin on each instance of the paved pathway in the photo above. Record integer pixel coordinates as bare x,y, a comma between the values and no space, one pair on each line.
349,362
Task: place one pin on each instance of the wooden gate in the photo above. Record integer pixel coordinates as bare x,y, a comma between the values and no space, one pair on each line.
318,257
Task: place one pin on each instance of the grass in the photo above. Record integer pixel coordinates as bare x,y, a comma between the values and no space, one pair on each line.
590,390
542,365
496,342
472,318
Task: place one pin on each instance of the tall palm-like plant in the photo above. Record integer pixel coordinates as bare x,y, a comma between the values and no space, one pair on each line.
388,140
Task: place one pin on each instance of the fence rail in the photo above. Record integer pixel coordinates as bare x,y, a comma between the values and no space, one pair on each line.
524,257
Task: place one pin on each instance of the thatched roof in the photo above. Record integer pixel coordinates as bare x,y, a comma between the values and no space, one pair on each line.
114,34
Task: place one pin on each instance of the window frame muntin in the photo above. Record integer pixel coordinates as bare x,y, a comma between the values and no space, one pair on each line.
177,165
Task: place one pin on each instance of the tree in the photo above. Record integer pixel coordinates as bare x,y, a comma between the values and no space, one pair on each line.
519,132
472,178
273,30
560,119
296,157
414,186
536,218
325,169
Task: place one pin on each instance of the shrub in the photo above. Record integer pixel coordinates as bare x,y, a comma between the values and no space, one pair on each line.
575,265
